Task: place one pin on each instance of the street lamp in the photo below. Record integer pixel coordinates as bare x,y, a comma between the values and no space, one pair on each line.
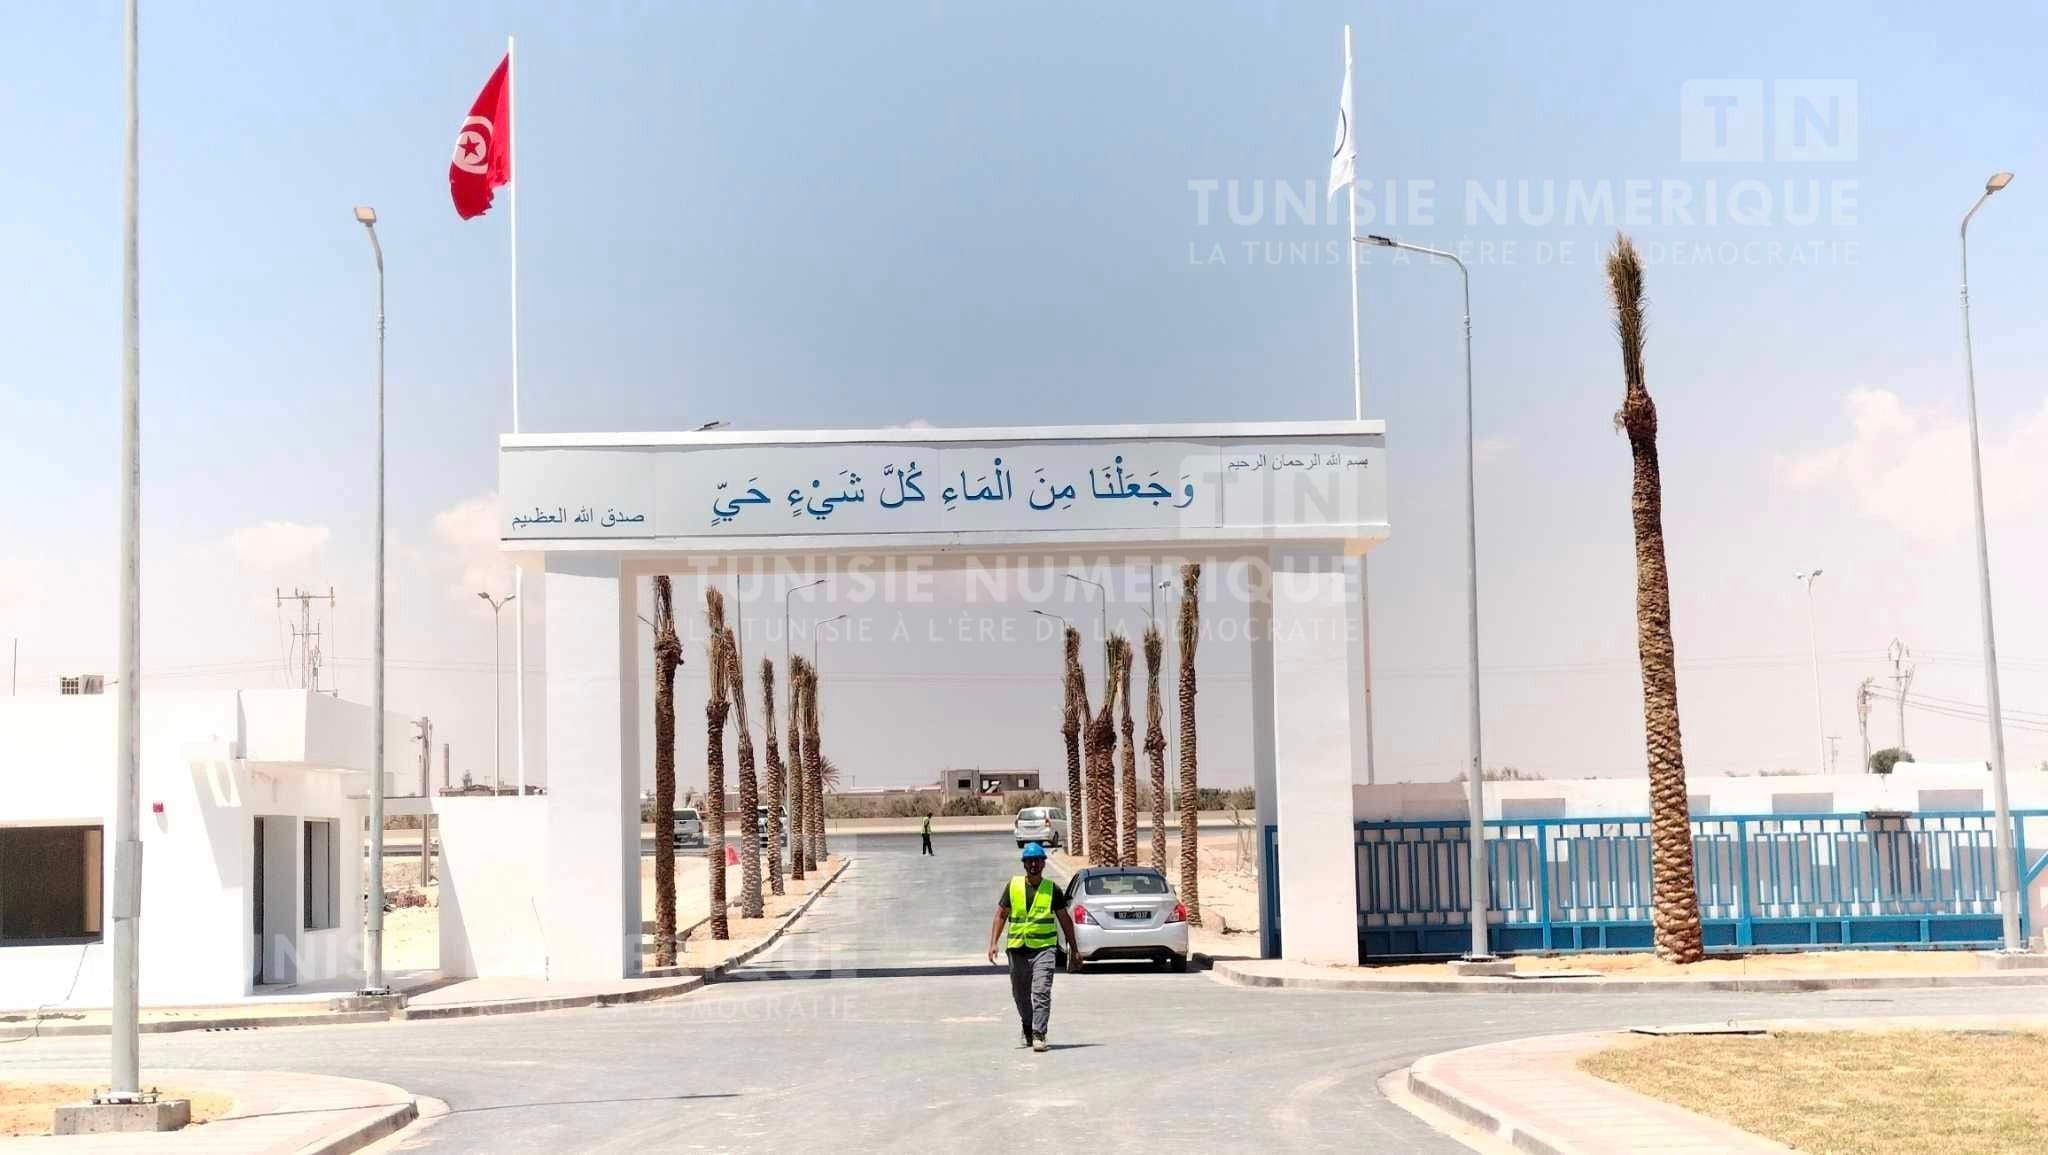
1475,792
373,946
708,426
1813,639
1104,591
814,635
790,593
124,1018
498,690
2008,881
1064,623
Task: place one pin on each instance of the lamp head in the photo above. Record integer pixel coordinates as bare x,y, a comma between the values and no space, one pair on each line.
366,214
483,595
1998,181
1376,239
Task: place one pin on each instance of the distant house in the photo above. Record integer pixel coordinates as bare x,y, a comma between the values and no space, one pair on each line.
978,783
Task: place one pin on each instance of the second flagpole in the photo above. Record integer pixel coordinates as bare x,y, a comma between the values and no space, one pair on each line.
519,571
1358,413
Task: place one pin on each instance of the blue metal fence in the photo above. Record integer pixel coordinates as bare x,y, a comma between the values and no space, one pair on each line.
1764,880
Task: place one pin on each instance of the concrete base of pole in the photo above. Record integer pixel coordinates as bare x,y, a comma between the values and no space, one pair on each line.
381,1000
122,1118
1488,967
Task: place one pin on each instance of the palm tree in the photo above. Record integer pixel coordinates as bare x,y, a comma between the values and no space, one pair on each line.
1128,760
750,792
1101,749
828,774
774,775
1675,909
668,654
716,707
799,796
1073,707
1155,743
814,765
1190,803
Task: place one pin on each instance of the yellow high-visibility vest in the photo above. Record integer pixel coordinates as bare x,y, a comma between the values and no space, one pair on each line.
1031,921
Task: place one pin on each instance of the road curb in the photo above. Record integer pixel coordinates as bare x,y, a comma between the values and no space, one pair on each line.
390,1122
177,1026
1225,970
718,971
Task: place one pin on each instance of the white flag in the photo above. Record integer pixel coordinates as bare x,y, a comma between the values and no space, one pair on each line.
1344,160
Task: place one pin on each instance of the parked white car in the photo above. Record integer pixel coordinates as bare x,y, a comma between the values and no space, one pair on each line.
688,827
1045,825
1127,912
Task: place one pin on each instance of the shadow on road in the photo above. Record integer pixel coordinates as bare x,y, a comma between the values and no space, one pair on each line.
913,971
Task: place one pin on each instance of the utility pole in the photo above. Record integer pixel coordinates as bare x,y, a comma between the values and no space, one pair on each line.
306,635
1834,751
1863,717
445,783
426,726
1902,678
426,740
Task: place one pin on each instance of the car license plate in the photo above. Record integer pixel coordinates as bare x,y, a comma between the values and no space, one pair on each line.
1133,914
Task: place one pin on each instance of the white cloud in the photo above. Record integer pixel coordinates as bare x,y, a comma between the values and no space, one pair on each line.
469,532
275,547
1493,448
1910,468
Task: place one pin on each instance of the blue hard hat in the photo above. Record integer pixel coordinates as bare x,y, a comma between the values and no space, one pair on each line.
1033,850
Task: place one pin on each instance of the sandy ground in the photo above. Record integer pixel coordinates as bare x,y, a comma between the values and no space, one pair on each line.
1229,890
26,1108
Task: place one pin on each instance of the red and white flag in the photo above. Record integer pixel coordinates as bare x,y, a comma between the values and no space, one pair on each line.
483,149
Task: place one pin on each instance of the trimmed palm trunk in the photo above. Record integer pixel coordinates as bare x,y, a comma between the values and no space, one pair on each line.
1127,761
1675,907
774,773
1070,735
668,654
814,765
1155,743
750,791
716,706
799,796
1101,750
1081,785
1190,802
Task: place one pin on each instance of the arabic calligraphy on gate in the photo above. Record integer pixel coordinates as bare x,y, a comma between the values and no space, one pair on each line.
904,484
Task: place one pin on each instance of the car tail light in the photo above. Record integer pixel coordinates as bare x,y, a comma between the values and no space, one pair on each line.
1180,913
1081,915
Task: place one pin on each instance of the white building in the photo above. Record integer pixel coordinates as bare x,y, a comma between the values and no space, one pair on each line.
252,826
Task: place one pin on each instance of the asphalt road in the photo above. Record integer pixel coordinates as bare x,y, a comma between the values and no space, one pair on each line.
877,1026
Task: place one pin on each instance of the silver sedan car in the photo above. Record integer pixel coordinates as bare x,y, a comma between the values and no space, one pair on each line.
1127,912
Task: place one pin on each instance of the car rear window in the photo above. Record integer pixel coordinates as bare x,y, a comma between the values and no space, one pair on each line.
1032,815
1115,884
682,814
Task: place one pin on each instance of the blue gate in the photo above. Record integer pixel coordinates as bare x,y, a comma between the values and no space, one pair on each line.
1764,881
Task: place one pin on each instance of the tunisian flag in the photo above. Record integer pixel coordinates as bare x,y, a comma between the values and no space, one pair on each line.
483,149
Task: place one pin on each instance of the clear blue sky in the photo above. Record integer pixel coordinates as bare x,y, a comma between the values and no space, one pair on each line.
830,215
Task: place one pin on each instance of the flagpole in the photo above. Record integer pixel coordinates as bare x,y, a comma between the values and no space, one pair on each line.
1358,413
519,571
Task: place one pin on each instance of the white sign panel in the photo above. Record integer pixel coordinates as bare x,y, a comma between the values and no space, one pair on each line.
695,491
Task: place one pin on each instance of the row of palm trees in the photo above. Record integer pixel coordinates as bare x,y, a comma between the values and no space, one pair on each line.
1102,752
799,783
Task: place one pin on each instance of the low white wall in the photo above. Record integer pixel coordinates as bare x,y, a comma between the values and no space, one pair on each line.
494,886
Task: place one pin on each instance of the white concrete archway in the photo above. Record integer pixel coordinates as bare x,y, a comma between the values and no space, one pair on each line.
1303,501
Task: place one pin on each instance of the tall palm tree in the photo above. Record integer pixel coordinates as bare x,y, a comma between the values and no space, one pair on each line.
750,792
1675,909
1073,707
1155,743
668,654
1127,762
828,774
1101,749
1190,803
774,774
799,796
814,765
716,706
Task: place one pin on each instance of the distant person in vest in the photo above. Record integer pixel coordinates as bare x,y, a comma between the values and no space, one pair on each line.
927,835
1036,911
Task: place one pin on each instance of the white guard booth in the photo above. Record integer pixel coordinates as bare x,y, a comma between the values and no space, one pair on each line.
1301,501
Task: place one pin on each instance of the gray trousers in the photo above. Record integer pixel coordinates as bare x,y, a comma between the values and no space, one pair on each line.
1031,974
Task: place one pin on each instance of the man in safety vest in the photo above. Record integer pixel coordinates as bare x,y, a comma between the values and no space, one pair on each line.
1036,911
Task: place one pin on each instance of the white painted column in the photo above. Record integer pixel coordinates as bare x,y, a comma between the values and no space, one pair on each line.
1319,740
1259,630
592,911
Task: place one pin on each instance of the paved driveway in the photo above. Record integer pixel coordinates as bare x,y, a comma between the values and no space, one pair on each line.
878,1027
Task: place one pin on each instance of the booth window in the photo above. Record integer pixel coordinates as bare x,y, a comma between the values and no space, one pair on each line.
49,884
323,866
